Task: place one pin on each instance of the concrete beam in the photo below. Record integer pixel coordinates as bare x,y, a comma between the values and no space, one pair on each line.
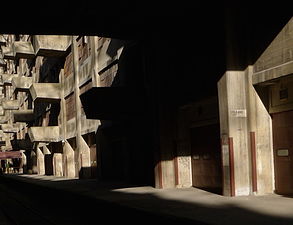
26,115
21,83
57,165
44,134
47,92
51,45
23,49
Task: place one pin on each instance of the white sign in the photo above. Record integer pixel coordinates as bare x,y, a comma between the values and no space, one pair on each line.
238,113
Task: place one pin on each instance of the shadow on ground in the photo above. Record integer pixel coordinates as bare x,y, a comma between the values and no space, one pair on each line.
92,202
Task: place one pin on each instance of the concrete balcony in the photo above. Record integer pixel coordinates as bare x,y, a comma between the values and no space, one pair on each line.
23,115
45,92
6,78
23,49
9,128
51,45
7,52
21,83
44,134
112,102
10,104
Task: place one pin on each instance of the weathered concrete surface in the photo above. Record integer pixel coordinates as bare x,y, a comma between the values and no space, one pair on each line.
44,134
277,59
10,104
9,128
51,45
57,165
23,49
242,112
40,162
48,92
21,83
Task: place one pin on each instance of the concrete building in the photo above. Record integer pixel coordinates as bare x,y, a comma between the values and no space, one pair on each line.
88,106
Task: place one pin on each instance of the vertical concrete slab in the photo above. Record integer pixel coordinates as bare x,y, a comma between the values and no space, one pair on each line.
233,126
40,162
85,160
57,165
260,122
34,167
68,160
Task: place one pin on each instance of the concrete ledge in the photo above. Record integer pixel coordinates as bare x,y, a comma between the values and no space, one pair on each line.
23,49
21,83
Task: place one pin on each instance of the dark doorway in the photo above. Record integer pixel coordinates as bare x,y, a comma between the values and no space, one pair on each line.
283,151
206,158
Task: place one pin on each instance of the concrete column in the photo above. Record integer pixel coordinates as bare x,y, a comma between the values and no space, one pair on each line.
57,165
23,163
82,154
233,126
34,167
40,162
246,138
68,160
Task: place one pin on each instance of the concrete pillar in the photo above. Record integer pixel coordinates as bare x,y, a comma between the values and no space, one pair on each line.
245,128
23,163
40,162
48,160
82,154
68,160
260,140
57,165
34,167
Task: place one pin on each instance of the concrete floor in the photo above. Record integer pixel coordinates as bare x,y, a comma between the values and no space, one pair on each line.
190,203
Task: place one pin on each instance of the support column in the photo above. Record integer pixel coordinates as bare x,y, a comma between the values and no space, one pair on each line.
40,162
245,135
48,161
82,154
57,165
68,160
233,128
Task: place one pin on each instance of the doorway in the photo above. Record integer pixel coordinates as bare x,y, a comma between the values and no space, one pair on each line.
283,151
206,158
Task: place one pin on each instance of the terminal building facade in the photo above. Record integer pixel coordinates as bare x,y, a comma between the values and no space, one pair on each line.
95,107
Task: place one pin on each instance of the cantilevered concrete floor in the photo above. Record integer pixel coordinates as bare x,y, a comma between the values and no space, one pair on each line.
190,203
